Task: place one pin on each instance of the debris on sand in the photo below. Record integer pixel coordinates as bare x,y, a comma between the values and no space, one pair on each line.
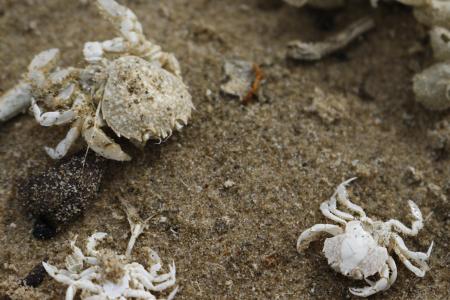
137,224
431,85
329,108
242,79
36,276
60,194
440,137
315,51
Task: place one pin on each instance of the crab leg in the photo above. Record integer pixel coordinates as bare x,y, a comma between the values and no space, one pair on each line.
41,64
92,242
314,232
137,225
169,282
326,211
70,293
382,284
63,147
416,256
126,23
329,208
420,258
15,101
132,39
98,141
415,226
139,294
136,231
342,198
173,293
53,117
169,62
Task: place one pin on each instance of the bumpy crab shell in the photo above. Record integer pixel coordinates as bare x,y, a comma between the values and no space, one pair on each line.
142,101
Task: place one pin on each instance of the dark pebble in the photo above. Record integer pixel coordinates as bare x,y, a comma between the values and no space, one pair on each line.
43,230
62,193
36,276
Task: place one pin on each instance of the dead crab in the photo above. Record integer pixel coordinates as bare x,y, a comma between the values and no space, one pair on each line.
138,92
105,275
360,247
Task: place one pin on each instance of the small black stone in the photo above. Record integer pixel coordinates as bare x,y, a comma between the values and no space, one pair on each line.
61,193
42,230
36,276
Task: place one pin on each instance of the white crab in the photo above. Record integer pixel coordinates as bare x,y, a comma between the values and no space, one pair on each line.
105,275
138,91
360,246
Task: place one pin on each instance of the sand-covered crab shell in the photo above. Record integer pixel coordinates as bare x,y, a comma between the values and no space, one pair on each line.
142,101
355,253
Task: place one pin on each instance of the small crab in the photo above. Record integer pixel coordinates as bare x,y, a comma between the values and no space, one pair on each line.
105,275
360,247
137,91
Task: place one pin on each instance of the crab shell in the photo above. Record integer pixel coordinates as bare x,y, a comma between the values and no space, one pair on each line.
355,253
142,101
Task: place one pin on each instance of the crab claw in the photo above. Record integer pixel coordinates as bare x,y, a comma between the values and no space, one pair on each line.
15,101
98,141
388,276
123,19
92,242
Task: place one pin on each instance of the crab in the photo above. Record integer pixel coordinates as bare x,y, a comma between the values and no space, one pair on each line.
105,275
129,85
360,247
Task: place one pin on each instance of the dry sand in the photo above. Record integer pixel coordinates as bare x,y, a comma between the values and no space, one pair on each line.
285,154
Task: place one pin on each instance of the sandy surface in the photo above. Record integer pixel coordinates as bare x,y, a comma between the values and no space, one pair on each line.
351,114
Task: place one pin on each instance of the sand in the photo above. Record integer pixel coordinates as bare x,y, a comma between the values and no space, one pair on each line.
350,114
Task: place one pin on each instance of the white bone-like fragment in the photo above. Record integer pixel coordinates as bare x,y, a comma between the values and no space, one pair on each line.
317,50
15,101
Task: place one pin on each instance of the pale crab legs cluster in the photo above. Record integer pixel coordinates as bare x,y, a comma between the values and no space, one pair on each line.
128,84
360,246
105,275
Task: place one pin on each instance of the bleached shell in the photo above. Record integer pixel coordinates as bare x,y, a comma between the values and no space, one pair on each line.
143,101
355,252
432,86
436,13
440,42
